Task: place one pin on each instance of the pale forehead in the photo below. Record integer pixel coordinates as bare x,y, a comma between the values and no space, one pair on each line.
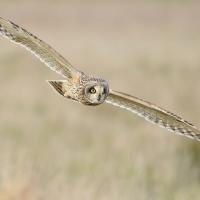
99,87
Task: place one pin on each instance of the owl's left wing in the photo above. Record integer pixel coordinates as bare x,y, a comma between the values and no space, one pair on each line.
39,48
154,114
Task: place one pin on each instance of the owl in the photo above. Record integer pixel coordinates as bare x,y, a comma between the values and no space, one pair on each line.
89,90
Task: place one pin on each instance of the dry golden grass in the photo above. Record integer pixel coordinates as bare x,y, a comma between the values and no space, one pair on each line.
51,148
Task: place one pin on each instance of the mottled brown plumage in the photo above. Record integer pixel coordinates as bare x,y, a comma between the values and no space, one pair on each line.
89,90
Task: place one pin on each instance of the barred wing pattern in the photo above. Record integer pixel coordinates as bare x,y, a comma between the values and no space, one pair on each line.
40,49
154,114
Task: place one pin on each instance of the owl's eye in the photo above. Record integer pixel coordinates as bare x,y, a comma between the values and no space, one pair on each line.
92,90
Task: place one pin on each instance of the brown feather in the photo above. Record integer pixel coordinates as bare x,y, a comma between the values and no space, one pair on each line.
40,49
154,114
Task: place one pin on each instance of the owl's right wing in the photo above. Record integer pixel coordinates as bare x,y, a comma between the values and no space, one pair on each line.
40,49
154,114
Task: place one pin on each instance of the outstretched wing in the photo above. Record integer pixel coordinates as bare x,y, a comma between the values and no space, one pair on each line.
40,49
154,114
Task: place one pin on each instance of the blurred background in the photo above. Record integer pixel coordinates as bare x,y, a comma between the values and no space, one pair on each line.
52,148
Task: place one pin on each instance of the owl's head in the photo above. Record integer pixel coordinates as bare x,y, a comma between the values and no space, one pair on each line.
95,92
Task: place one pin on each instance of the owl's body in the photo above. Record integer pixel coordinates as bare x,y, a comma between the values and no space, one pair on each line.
90,90
75,89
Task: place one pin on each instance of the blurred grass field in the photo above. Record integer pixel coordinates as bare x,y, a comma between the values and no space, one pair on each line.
52,148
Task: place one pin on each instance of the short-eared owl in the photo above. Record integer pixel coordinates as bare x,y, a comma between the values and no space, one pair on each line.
89,90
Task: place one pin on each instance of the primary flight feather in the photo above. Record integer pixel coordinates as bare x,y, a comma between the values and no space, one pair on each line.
89,90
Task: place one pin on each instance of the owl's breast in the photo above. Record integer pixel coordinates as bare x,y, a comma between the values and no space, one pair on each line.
74,90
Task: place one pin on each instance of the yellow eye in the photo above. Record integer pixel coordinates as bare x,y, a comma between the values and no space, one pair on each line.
92,90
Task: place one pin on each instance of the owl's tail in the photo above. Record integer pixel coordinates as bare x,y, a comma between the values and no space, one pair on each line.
57,85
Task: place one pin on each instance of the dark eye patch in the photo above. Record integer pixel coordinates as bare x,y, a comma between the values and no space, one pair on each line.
104,90
92,90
